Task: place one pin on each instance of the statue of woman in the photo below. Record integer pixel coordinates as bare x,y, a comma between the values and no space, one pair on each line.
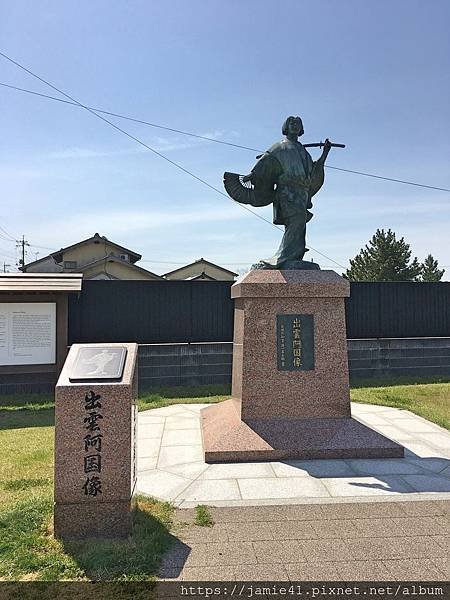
287,176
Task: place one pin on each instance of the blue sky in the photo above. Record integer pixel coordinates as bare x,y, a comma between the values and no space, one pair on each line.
372,75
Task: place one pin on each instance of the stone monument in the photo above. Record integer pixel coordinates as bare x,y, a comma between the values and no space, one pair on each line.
95,441
290,385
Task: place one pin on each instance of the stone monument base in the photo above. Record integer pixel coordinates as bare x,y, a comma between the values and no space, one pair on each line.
111,520
226,438
95,442
290,385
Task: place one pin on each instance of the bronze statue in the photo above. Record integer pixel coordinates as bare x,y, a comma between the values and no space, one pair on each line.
286,176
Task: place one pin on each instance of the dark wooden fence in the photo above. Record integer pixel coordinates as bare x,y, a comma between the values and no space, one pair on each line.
398,310
151,312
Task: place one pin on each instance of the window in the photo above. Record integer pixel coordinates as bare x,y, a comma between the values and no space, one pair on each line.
70,264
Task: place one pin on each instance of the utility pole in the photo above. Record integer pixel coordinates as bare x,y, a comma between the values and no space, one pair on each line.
21,244
4,267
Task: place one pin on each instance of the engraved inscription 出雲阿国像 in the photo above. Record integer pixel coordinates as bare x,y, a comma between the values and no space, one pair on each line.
295,342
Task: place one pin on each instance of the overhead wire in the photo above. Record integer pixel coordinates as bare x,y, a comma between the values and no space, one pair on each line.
178,166
128,118
6,253
210,139
123,131
9,237
43,247
6,239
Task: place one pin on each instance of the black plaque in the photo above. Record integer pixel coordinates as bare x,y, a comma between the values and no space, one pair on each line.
295,342
99,363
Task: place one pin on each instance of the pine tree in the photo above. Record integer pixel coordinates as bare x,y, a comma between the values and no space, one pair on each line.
384,258
430,271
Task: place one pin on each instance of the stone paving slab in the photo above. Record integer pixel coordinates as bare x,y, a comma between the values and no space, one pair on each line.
357,541
171,465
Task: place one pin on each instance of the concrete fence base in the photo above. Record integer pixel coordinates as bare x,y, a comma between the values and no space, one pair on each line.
170,365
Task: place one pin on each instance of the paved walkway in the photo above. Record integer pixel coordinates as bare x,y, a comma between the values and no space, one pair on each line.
358,541
171,466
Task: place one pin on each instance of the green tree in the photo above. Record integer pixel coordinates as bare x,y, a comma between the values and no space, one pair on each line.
430,271
384,258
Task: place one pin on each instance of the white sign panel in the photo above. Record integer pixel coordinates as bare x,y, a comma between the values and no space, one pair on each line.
27,333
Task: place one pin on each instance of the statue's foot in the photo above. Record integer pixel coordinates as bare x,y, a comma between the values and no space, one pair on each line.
264,264
287,265
298,265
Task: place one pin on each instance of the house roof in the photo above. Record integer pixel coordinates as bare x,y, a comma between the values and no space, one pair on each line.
40,282
36,262
116,259
96,238
196,262
203,276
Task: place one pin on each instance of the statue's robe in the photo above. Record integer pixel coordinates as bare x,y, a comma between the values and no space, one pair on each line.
287,176
288,166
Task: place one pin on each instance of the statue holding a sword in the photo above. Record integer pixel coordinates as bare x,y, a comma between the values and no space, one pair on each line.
287,177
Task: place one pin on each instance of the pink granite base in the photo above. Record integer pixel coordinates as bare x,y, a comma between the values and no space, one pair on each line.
105,512
226,438
106,520
289,414
265,391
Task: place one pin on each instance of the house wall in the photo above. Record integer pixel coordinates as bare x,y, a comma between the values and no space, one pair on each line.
87,253
198,269
116,270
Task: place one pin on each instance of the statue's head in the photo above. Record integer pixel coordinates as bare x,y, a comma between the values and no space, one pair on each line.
295,124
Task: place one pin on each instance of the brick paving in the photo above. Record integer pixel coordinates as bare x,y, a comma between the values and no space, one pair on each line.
354,541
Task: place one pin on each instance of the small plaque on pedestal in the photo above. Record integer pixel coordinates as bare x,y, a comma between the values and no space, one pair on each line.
99,363
295,342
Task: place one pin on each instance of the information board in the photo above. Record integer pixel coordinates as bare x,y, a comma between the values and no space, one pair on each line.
27,333
295,342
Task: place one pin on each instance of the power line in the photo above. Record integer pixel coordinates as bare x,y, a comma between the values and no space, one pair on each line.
10,237
178,166
43,247
178,262
135,120
150,148
430,187
6,239
6,253
204,137
146,146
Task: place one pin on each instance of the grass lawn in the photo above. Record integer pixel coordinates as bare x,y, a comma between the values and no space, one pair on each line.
186,395
28,550
430,401
429,398
423,397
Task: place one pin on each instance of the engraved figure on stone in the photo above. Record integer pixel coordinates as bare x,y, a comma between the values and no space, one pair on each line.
99,362
286,176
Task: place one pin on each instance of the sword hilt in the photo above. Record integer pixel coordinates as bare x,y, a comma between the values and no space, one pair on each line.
321,145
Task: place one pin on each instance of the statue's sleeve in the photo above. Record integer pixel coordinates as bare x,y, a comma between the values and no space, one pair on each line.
317,178
264,177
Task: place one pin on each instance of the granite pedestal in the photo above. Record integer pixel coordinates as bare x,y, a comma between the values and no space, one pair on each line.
290,386
95,442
